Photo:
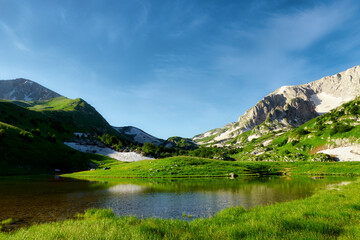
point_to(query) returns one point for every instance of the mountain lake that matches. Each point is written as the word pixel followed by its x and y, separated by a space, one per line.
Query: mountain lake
pixel 44 199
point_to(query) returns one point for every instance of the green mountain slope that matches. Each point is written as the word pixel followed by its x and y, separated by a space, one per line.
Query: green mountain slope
pixel 340 127
pixel 32 135
pixel 71 115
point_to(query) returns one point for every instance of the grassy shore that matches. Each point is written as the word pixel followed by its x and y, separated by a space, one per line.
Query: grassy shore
pixel 178 167
pixel 329 214
pixel 333 213
pixel 181 167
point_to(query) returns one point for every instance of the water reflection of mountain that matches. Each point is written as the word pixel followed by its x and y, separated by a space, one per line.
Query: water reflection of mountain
pixel 41 200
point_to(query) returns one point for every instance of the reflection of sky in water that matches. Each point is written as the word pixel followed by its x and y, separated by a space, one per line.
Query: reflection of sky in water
pixel 134 200
pixel 49 200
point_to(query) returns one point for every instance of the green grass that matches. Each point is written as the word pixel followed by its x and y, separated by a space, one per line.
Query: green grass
pixel 32 135
pixel 300 144
pixel 179 167
pixel 36 155
pixel 187 167
pixel 5 223
pixel 329 214
pixel 60 116
pixel 323 168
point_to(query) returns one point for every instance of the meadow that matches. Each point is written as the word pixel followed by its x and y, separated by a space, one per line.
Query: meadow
pixel 189 167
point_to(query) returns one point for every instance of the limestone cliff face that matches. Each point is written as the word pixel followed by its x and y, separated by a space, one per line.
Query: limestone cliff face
pixel 291 106
pixel 26 90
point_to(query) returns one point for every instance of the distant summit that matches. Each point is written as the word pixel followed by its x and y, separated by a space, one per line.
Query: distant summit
pixel 25 90
pixel 290 106
pixel 139 136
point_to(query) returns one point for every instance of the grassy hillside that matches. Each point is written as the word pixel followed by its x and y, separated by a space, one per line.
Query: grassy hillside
pixel 339 127
pixel 63 115
pixel 182 143
pixel 32 135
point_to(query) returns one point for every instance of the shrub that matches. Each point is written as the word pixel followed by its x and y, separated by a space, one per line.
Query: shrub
pixel 340 128
pixel 51 137
pixel 322 157
pixel 35 132
pixel 283 142
pixel 302 132
pixel 26 135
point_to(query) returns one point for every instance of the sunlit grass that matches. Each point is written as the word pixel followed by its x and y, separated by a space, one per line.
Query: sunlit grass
pixel 180 167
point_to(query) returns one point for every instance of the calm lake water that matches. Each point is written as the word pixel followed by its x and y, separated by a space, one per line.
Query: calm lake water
pixel 43 199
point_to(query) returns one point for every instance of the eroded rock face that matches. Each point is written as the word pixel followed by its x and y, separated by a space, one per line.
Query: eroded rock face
pixel 25 90
pixel 292 106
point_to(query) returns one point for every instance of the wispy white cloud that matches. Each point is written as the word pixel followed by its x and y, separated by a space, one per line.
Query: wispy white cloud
pixel 297 31
pixel 274 49
pixel 13 38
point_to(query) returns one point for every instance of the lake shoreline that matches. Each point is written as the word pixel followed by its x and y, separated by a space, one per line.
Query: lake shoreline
pixel 304 218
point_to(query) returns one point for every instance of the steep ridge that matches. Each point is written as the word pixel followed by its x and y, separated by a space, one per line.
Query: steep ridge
pixel 333 136
pixel 138 135
pixel 25 90
pixel 31 140
pixel 290 106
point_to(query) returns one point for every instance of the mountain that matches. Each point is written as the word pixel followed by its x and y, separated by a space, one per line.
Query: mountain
pixel 330 137
pixel 32 135
pixel 138 135
pixel 289 107
pixel 26 90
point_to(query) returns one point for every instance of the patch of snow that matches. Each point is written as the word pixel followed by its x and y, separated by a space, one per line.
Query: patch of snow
pixel 259 153
pixel 222 136
pixel 27 98
pixel 120 156
pixel 267 142
pixel 140 136
pixel 226 134
pixel 348 153
pixel 251 137
pixel 12 93
pixel 325 102
pixel 79 134
pixel 207 134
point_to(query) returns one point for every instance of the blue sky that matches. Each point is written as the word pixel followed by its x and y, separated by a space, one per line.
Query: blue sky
pixel 176 68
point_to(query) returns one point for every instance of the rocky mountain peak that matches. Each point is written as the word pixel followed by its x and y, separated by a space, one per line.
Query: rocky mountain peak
pixel 25 90
pixel 291 106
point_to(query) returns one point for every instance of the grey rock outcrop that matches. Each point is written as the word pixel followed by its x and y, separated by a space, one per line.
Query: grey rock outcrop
pixel 25 90
pixel 139 136
pixel 292 106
